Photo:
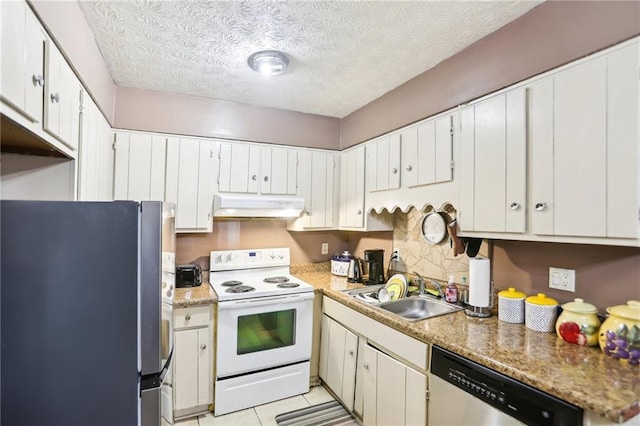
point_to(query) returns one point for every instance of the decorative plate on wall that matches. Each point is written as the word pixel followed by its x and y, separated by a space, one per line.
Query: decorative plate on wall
pixel 434 227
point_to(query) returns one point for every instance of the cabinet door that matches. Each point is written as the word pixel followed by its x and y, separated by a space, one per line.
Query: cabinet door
pixel 409 149
pixel 189 176
pixel 383 163
pixel 185 381
pixel 579 150
pixel 95 160
pixel 335 357
pixel 140 167
pixel 352 188
pixel 22 67
pixel 493 189
pixel 205 365
pixel 239 165
pixel 394 394
pixel 347 395
pixel 623 143
pixel 278 170
pixel 434 151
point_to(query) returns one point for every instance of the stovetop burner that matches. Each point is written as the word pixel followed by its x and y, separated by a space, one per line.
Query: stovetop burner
pixel 288 285
pixel 276 280
pixel 231 283
pixel 240 289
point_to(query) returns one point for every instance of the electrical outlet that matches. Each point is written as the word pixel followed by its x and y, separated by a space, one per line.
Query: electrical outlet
pixel 325 248
pixel 395 254
pixel 562 279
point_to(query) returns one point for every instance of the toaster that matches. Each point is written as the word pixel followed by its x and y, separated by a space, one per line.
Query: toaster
pixel 188 276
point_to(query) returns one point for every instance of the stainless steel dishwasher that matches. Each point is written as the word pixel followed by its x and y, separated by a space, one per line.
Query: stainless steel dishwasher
pixel 462 392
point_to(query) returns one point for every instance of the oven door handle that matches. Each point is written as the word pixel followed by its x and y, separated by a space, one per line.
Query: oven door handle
pixel 263 301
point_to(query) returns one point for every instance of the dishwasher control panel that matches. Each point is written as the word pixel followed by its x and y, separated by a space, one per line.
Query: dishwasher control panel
pixel 516 399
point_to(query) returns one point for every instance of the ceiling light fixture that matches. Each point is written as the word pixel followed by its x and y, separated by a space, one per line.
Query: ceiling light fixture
pixel 269 62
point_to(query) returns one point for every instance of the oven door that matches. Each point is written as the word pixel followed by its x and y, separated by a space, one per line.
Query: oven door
pixel 261 333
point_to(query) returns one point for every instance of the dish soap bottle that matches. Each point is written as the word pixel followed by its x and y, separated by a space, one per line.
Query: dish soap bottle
pixel 451 293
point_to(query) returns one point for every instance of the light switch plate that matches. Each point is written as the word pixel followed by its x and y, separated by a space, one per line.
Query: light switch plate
pixel 562 279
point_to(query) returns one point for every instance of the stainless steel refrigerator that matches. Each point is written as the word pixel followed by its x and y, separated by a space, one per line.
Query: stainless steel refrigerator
pixel 86 335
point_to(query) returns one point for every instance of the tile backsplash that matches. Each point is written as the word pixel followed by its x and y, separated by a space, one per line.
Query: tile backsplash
pixel 429 260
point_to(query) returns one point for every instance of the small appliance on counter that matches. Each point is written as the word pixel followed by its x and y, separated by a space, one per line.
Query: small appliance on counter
pixel 375 259
pixel 188 276
pixel 340 263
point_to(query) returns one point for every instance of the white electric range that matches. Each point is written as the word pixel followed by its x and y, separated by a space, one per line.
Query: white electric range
pixel 264 326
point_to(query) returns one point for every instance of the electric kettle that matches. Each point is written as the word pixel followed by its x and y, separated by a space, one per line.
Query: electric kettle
pixel 354 273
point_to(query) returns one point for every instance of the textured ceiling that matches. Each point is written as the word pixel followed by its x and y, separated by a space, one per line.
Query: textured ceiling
pixel 344 54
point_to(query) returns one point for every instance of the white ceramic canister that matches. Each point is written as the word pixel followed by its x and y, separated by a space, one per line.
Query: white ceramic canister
pixel 340 263
pixel 540 313
pixel 511 306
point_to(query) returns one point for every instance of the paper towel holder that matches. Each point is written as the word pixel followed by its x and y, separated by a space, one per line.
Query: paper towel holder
pixel 481 311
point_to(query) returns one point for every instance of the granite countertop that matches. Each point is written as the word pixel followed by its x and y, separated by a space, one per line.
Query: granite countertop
pixel 191 296
pixel 583 376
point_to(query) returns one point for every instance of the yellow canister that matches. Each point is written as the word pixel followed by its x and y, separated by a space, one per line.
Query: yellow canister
pixel 578 323
pixel 540 313
pixel 619 335
pixel 511 306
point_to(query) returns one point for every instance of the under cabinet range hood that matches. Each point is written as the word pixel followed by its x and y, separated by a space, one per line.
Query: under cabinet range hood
pixel 245 205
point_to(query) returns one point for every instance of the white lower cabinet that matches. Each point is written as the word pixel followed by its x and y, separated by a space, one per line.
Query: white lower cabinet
pixel 394 393
pixel 338 355
pixel 380 385
pixel 192 361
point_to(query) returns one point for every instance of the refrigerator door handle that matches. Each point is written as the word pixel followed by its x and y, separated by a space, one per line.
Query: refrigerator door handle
pixel 155 380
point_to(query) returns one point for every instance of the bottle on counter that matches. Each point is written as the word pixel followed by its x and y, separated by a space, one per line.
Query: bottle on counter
pixel 451 292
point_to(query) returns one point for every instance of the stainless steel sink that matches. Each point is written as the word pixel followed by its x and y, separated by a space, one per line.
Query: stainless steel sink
pixel 418 308
pixel 412 308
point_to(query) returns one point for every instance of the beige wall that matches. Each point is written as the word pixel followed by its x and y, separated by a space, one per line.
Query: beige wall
pixel 605 275
pixel 551 34
pixel 164 112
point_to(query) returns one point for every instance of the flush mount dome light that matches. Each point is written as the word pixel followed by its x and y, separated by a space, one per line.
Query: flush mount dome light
pixel 269 62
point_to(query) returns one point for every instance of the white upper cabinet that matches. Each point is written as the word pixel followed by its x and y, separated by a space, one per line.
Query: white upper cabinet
pixel 278 169
pixel 352 188
pixel 189 182
pixel 583 133
pixel 383 163
pixel 493 164
pixel 239 167
pixel 22 65
pixel 140 160
pixel 96 155
pixel 63 92
pixel 318 175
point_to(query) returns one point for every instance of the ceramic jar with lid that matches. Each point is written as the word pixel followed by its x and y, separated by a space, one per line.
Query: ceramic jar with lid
pixel 578 323
pixel 340 263
pixel 511 306
pixel 619 335
pixel 541 313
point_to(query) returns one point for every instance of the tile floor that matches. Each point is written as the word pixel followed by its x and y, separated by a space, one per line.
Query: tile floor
pixel 262 415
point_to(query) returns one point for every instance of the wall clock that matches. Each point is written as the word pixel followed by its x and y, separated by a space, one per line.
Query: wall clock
pixel 434 227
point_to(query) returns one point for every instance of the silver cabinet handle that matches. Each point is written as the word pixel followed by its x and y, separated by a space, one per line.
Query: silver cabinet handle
pixel 38 80
pixel 366 366
pixel 266 178
pixel 359 212
pixel 541 206
pixel 203 346
pixel 394 170
pixel 351 352
pixel 254 177
pixel 409 168
pixel 55 98
pixel 187 317
pixel 514 206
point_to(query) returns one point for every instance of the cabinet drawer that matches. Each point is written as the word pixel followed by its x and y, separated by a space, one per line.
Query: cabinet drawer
pixel 196 316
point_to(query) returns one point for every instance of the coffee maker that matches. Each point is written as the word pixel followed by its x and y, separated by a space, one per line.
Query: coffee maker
pixel 375 259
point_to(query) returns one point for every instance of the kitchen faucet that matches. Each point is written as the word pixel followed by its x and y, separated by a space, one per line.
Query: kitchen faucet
pixel 420 281
pixel 437 286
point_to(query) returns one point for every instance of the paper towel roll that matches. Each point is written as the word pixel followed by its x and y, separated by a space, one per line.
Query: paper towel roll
pixel 479 282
